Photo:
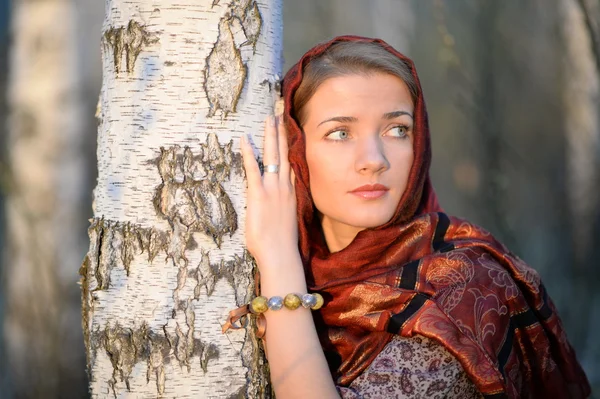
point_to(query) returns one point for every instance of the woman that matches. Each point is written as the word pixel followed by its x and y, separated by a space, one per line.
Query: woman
pixel 417 303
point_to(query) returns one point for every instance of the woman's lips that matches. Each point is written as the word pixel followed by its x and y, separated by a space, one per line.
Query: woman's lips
pixel 369 194
pixel 370 191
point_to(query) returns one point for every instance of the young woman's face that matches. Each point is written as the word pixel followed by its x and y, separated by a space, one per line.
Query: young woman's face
pixel 359 148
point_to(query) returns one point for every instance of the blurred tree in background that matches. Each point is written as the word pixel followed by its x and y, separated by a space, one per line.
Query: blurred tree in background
pixel 46 203
pixel 514 103
pixel 4 20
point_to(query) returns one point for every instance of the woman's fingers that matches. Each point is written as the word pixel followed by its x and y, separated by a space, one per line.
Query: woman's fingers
pixel 275 153
pixel 284 163
pixel 250 164
pixel 271 151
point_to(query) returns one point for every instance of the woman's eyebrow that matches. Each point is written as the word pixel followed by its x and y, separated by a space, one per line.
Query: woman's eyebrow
pixel 341 119
pixel 349 119
pixel 395 114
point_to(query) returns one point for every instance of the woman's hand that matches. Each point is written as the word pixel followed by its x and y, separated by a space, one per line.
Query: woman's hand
pixel 272 238
pixel 271 227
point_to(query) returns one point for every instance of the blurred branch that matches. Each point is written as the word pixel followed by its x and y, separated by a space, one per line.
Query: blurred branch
pixel 467 102
pixel 591 15
pixel 481 103
pixel 450 55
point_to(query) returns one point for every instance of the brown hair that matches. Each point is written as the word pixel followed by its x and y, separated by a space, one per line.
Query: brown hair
pixel 345 58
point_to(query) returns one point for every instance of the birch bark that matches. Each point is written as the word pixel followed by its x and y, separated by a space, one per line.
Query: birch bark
pixel 43 202
pixel 183 80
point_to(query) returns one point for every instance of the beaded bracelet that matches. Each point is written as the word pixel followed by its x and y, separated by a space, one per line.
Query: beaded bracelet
pixel 261 304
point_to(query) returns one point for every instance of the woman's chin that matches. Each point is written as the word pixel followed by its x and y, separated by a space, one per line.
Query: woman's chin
pixel 368 221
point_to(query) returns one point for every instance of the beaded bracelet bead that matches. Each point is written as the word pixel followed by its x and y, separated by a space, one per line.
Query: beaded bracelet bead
pixel 261 304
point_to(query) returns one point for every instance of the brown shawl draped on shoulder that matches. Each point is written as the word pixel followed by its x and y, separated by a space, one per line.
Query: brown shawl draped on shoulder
pixel 426 273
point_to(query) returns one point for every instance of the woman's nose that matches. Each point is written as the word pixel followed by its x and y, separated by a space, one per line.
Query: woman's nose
pixel 370 155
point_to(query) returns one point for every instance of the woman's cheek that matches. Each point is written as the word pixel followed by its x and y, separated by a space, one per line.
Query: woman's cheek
pixel 320 184
pixel 325 185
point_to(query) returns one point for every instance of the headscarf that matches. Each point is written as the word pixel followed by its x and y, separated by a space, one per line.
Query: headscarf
pixel 427 273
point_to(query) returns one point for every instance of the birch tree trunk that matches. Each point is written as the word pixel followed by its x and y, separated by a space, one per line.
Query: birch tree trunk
pixel 43 205
pixel 183 80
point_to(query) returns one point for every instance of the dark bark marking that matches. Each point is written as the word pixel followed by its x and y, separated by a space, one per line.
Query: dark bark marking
pixel 258 380
pixel 153 241
pixel 249 16
pixel 85 308
pixel 131 41
pixel 116 244
pixel 206 276
pixel 113 37
pixel 191 196
pixel 225 72
pixel 183 341
pixel 126 347
pixel 131 244
pixel 158 356
pixel 207 353
pixel 240 394
pixel 105 263
pixel 238 272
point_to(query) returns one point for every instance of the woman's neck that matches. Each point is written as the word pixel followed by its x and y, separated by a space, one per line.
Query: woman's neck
pixel 337 235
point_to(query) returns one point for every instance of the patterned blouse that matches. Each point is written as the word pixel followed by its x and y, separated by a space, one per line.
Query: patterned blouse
pixel 411 368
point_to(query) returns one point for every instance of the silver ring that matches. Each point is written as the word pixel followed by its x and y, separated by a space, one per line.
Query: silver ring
pixel 271 168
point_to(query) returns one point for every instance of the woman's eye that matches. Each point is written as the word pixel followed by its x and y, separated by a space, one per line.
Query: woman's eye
pixel 399 131
pixel 338 135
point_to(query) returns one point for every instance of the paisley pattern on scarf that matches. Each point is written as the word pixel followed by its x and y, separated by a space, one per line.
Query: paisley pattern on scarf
pixel 499 276
pixel 427 274
pixel 412 368
pixel 450 276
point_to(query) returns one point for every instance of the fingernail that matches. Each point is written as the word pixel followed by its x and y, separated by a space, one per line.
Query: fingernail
pixel 272 120
pixel 246 138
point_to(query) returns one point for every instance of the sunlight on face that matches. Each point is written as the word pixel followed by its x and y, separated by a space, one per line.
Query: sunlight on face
pixel 359 133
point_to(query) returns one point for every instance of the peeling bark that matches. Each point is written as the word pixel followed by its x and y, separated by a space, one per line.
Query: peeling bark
pixel 166 260
pixel 129 41
pixel 126 347
pixel 248 14
pixel 226 70
pixel 191 195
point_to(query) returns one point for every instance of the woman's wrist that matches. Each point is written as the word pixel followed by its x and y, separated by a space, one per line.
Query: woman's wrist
pixel 281 273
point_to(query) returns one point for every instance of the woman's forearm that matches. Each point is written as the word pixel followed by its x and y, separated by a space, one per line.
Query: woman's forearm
pixel 296 359
pixel 297 363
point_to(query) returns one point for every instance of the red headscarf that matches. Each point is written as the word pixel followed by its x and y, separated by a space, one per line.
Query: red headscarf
pixel 426 273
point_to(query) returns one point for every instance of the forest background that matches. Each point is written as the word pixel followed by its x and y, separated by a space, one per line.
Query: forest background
pixel 513 96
